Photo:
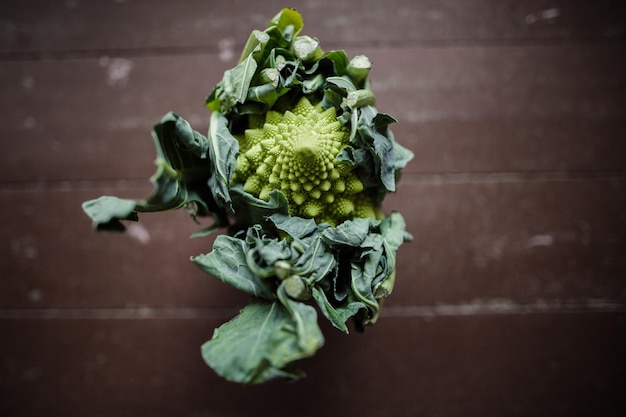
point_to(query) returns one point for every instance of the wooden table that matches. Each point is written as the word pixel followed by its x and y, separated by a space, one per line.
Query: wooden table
pixel 511 300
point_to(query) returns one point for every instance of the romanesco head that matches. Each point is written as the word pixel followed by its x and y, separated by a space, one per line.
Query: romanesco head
pixel 296 153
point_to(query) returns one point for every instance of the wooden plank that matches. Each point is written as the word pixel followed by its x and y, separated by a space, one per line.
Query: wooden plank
pixel 523 365
pixel 55 259
pixel 506 109
pixel 86 119
pixel 460 109
pixel 47 27
pixel 511 240
pixel 508 240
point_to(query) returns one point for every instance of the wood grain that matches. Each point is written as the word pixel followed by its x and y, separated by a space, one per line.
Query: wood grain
pixel 564 364
pixel 510 239
pixel 73 27
pixel 460 109
pixel 509 301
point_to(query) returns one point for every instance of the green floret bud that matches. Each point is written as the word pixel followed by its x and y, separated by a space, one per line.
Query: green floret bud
pixel 296 152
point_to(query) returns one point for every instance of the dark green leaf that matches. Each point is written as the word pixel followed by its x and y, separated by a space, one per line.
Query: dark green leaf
pixel 264 93
pixel 401 155
pixel 106 212
pixel 223 150
pixel 256 44
pixel 317 262
pixel 250 210
pixel 328 310
pixel 295 227
pixel 349 233
pixel 227 262
pixel 233 88
pixel 264 252
pixel 289 21
pixel 181 177
pixel 393 229
pixel 305 319
pixel 262 343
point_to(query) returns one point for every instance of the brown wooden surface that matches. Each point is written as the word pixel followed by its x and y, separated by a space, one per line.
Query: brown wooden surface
pixel 511 300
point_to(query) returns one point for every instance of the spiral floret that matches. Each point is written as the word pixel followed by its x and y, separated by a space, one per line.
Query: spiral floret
pixel 296 153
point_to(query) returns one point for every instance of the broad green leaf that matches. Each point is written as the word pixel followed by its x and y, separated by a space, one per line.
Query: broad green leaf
pixel 288 20
pixel 379 145
pixel 311 85
pixel 295 227
pixel 263 252
pixel 384 288
pixel 317 262
pixel 227 262
pixel 180 179
pixel 402 155
pixel 223 150
pixel 393 229
pixel 305 318
pixel 260 344
pixel 328 310
pixel 363 275
pixel 332 63
pixel 255 44
pixel 264 93
pixel 106 212
pixel 233 88
pixel 349 233
pixel 251 210
pixel 340 313
pixel 343 83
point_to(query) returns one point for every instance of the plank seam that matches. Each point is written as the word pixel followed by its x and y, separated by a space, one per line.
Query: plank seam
pixel 474 308
pixel 77 54
pixel 441 177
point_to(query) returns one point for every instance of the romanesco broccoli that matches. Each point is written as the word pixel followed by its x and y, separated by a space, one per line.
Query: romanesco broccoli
pixel 296 153
pixel 295 167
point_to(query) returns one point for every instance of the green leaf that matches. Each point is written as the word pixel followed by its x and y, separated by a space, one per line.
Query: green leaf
pixel 182 177
pixel 328 310
pixel 251 210
pixel 349 233
pixel 263 342
pixel 317 262
pixel 223 150
pixel 264 93
pixel 227 262
pixel 340 313
pixel 393 229
pixel 233 88
pixel 288 20
pixel 310 337
pixel 295 227
pixel 363 274
pixel 332 63
pixel 106 212
pixel 256 44
pixel 379 145
pixel 263 252
pixel 402 156
pixel 344 83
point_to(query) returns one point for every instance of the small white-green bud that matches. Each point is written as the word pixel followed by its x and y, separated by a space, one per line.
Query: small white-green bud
pixel 270 76
pixel 306 48
pixel 358 68
pixel 359 98
pixel 296 288
pixel 282 269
